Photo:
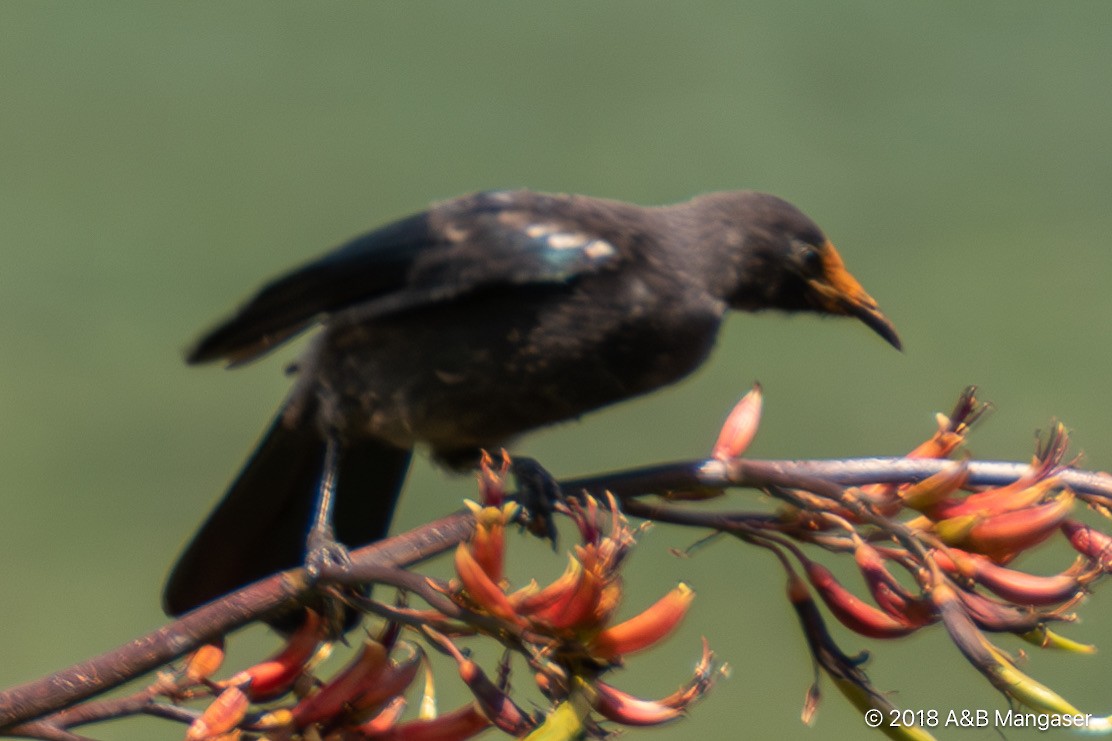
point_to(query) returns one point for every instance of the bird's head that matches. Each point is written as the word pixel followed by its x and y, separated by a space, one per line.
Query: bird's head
pixel 784 261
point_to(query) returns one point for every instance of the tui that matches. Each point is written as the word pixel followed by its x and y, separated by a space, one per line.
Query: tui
pixel 482 318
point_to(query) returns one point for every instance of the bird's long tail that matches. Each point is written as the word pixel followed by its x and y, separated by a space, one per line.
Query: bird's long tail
pixel 261 524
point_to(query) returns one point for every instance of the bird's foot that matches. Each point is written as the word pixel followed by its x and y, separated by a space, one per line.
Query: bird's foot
pixel 538 492
pixel 324 553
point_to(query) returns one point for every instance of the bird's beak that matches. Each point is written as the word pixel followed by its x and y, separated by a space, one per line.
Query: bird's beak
pixel 838 292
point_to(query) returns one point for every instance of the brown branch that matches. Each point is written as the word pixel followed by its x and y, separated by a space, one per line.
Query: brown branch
pixel 99 711
pixel 43 730
pixel 381 562
pixel 205 624
pixel 714 474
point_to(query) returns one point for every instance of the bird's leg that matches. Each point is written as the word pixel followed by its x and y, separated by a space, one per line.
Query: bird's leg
pixel 321 547
pixel 538 491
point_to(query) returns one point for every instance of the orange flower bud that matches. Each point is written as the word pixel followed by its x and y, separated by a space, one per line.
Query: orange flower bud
pixel 1002 536
pixel 608 602
pixel 940 445
pixel 221 716
pixel 494 702
pixel 276 676
pixel 204 662
pixel 385 721
pixel 487 544
pixel 934 489
pixel 391 681
pixel 1089 542
pixel 740 427
pixel 486 594
pixel 995 501
pixel 889 594
pixel 492 484
pixel 952 429
pixel 529 600
pixel 460 724
pixel 887 499
pixel 576 606
pixel 622 707
pixel 344 689
pixel 646 628
pixel 852 611
pixel 1015 586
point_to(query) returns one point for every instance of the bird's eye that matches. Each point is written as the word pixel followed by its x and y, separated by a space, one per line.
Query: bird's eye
pixel 810 260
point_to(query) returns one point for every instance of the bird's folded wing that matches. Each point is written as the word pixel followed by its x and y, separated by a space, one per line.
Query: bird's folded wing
pixel 413 263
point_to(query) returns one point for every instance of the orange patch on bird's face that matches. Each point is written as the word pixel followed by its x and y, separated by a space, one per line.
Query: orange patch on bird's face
pixel 837 288
pixel 835 291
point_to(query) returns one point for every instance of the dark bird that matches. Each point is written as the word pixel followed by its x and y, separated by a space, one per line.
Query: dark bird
pixel 485 317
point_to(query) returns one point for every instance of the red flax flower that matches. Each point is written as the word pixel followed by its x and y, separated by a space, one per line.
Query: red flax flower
pixel 943 552
pixel 567 626
pixel 365 690
pixel 957 545
pixel 565 630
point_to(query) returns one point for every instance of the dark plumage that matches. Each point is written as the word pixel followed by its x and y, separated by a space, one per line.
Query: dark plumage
pixel 482 318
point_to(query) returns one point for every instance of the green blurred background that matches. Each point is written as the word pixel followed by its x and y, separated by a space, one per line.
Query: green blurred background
pixel 157 162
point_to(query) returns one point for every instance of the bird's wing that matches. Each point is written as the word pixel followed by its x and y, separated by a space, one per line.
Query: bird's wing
pixel 419 261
